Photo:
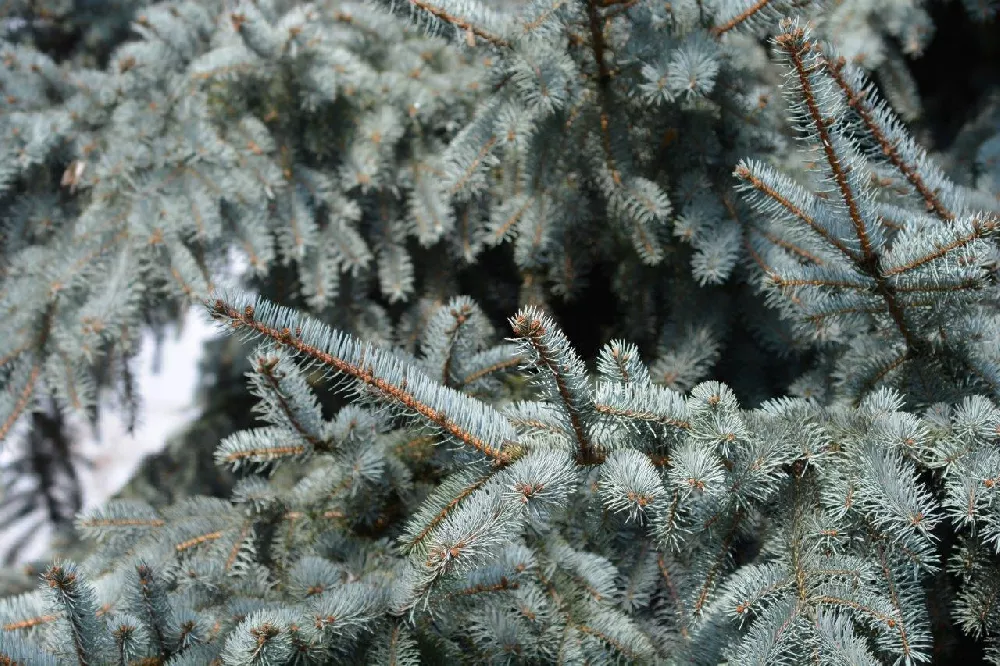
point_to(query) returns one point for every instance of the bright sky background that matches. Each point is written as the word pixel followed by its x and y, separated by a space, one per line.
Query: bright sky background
pixel 168 404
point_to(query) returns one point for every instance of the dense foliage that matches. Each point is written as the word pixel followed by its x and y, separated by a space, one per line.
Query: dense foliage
pixel 435 472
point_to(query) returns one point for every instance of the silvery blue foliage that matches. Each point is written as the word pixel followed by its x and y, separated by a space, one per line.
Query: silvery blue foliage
pixel 480 494
pixel 599 516
pixel 216 130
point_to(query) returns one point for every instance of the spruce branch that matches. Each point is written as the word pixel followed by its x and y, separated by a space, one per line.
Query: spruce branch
pixel 455 330
pixel 119 518
pixel 797 47
pixel 649 404
pixel 469 19
pixel 465 26
pixel 473 423
pixel 23 399
pixel 73 599
pixel 490 362
pixel 266 369
pixel 442 503
pixel 561 376
pixel 29 621
pixel 893 141
pixel 911 272
pixel 150 603
pixel 798 204
pixel 620 361
pixel 15 651
pixel 750 14
pixel 26 375
pixel 596 25
pixel 744 16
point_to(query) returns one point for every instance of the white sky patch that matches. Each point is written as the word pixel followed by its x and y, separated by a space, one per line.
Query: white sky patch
pixel 167 406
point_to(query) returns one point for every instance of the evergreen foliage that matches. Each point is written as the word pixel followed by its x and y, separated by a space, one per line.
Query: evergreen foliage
pixel 125 191
pixel 883 36
pixel 416 487
pixel 603 518
pixel 863 265
pixel 84 31
pixel 169 167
